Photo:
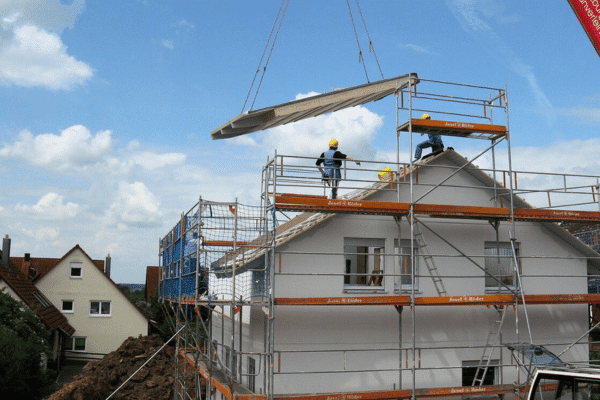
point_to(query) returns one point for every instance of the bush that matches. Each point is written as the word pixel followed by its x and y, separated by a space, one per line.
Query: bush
pixel 23 340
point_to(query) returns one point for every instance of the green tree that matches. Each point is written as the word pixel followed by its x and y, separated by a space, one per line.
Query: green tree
pixel 23 341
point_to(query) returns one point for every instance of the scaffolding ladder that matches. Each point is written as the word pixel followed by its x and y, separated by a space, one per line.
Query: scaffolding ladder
pixel 488 351
pixel 428 258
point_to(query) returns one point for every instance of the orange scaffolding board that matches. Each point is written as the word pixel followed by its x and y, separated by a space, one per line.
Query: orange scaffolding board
pixel 466 300
pixel 231 392
pixel 454 128
pixel 407 393
pixel 292 202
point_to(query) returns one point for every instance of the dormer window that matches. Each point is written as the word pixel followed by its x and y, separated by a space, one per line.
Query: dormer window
pixel 76 270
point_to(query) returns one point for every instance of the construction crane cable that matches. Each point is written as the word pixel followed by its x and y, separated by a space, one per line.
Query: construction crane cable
pixel 287 2
pixel 371 47
pixel 360 57
pixel 264 52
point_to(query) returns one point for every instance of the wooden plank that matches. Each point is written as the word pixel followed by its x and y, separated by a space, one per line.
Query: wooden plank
pixel 407 393
pixel 455 128
pixel 536 214
pixel 297 203
pixel 292 202
pixel 466 300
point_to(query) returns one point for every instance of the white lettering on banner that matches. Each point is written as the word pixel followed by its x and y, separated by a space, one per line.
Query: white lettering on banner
pixel 459 125
pixel 590 11
pixel 461 299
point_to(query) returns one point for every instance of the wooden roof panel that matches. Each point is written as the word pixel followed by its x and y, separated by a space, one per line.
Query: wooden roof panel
pixel 297 110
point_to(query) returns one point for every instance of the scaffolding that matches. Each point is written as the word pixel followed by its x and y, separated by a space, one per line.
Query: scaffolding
pixel 225 264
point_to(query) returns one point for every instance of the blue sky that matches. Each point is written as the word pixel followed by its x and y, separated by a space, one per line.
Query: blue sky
pixel 107 106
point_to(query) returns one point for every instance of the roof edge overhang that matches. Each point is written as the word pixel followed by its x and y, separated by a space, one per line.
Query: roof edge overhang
pixel 293 111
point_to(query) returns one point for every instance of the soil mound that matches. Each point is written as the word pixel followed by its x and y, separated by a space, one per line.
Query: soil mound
pixel 100 378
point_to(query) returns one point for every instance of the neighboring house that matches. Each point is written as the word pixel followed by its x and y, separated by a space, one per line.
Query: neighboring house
pixel 363 261
pixel 20 288
pixel 103 317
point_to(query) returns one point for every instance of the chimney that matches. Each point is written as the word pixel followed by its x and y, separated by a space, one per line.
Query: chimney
pixel 6 251
pixel 107 265
pixel 27 266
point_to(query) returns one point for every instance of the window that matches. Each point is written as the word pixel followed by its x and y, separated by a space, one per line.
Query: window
pixel 67 306
pixel 499 262
pixel 251 374
pixel 227 357
pixel 364 262
pixel 100 308
pixel 403 266
pixel 470 368
pixel 76 268
pixel 76 344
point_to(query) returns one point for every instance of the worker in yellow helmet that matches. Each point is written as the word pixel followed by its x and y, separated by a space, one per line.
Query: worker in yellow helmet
pixel 385 174
pixel 434 141
pixel 332 161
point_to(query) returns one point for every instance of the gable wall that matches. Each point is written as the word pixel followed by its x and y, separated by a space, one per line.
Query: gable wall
pixel 320 251
pixel 104 334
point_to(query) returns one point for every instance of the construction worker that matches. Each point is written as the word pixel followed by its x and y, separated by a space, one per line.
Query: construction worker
pixel 434 141
pixel 332 161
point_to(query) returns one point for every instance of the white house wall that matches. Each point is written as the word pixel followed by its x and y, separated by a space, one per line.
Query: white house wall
pixel 103 333
pixel 321 349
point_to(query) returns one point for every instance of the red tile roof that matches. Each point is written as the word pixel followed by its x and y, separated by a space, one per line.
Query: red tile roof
pixel 41 266
pixel 47 312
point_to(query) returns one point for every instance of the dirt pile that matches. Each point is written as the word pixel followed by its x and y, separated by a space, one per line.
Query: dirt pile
pixel 100 378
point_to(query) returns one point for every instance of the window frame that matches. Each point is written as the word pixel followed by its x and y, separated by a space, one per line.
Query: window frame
pixel 471 366
pixel 369 256
pixel 76 266
pixel 72 340
pixel 65 311
pixel 251 374
pixel 490 284
pixel 100 314
pixel 399 246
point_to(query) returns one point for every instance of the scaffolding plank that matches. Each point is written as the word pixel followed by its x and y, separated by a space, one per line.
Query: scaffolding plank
pixel 234 391
pixel 407 393
pixel 455 128
pixel 536 214
pixel 292 202
pixel 466 300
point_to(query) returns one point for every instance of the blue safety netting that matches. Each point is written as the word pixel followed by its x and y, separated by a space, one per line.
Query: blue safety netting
pixel 216 250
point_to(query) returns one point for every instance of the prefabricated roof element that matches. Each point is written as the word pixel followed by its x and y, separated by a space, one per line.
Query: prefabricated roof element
pixel 297 110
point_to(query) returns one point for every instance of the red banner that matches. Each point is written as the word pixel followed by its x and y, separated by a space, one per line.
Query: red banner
pixel 588 13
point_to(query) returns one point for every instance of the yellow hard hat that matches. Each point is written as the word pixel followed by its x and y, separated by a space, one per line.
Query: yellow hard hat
pixel 425 116
pixel 333 143
pixel 386 173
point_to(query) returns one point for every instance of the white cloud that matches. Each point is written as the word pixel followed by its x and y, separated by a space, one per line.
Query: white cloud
pixel 416 48
pixel 151 161
pixel 31 51
pixel 73 150
pixel 51 207
pixel 134 204
pixel 42 234
pixel 168 44
pixel 583 114
pixel 38 58
pixel 185 25
pixel 353 127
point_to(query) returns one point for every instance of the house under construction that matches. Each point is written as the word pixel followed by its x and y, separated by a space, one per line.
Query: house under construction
pixel 424 279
